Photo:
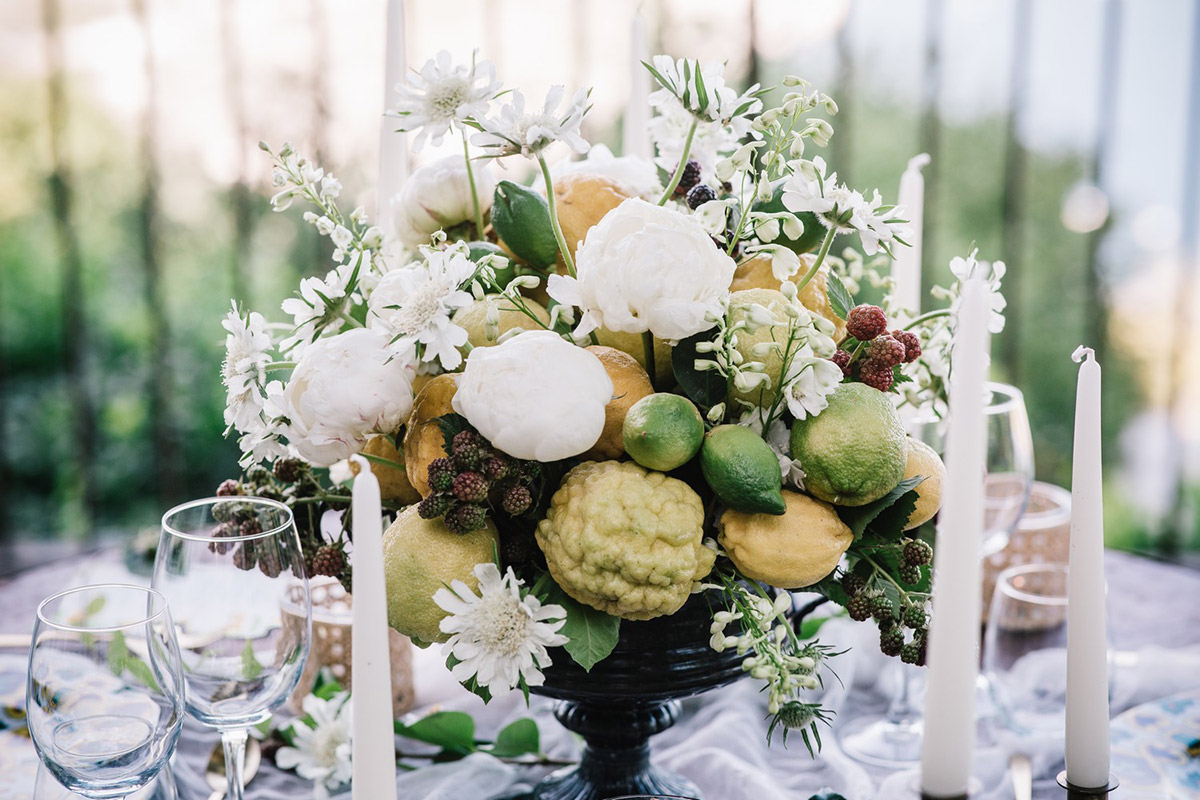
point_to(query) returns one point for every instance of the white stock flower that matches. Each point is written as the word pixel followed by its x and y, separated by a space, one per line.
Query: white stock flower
pixel 633 175
pixel 809 382
pixel 413 305
pixel 244 368
pixel 840 208
pixel 321 753
pixel 535 396
pixel 993 273
pixel 498 637
pixel 438 196
pixel 344 388
pixel 442 95
pixel 515 130
pixel 779 439
pixel 647 268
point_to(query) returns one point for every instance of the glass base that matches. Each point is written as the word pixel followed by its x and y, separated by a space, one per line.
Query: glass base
pixel 882 742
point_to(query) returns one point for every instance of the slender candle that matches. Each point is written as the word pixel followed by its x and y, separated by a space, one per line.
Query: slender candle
pixel 393 146
pixel 374 745
pixel 953 646
pixel 907 267
pixel 635 138
pixel 1087 653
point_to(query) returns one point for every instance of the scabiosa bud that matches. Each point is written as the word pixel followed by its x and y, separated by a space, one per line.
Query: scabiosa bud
pixel 690 177
pixel 700 194
pixel 441 474
pixel 842 359
pixel 866 322
pixel 288 470
pixel 433 506
pixel 876 376
pixel 229 488
pixel 911 342
pixel 886 351
pixel 328 560
pixel 517 500
pixel 470 487
pixel 465 517
pixel 495 468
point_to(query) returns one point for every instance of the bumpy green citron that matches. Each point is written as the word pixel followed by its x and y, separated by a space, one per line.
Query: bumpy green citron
pixel 790 551
pixel 473 319
pixel 663 431
pixel 624 540
pixel 924 460
pixel 853 452
pixel 419 557
pixel 773 301
pixel 742 469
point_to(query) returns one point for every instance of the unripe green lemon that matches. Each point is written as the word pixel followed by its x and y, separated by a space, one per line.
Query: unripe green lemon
pixel 740 304
pixel 473 318
pixel 662 431
pixel 742 469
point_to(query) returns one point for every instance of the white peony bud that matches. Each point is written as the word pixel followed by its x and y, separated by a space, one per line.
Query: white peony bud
pixel 438 196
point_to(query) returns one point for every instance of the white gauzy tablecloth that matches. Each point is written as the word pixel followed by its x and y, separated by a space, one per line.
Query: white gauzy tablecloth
pixel 719 740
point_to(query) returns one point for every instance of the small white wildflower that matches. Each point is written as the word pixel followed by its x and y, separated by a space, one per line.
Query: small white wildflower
pixel 514 130
pixel 321 753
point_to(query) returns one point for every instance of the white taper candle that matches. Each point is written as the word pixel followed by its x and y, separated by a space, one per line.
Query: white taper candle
pixel 393 146
pixel 1087 746
pixel 907 267
pixel 374 745
pixel 953 647
pixel 635 136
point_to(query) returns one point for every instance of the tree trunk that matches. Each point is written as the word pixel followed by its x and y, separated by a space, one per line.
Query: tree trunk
pixel 239 196
pixel 1016 166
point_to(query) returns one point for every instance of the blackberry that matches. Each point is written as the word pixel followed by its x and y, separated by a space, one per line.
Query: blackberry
pixel 433 506
pixel 853 584
pixel 243 557
pixel 495 468
pixel 530 470
pixel 516 500
pixel 891 642
pixel 288 470
pixel 917 552
pixel 228 488
pixel 876 376
pixel 842 359
pixel 465 517
pixel 515 549
pixel 700 194
pixel 689 178
pixel 223 512
pixel 441 474
pixel 272 493
pixel 470 487
pixel 223 531
pixel 269 563
pixel 258 475
pixel 865 322
pixel 914 617
pixel 882 608
pixel 859 608
pixel 466 449
pixel 910 574
pixel 886 351
pixel 328 560
pixel 250 527
pixel 910 653
pixel 912 345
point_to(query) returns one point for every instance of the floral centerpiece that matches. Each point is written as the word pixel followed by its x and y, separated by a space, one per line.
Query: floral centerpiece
pixel 588 399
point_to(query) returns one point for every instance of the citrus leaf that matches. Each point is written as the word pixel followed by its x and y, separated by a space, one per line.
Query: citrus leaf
pixel 858 518
pixel 593 634
pixel 839 299
pixel 521 219
pixel 518 738
pixel 705 388
pixel 450 730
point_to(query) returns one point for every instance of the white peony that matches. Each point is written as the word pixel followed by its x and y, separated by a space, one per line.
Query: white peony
pixel 438 196
pixel 535 396
pixel 647 268
pixel 344 388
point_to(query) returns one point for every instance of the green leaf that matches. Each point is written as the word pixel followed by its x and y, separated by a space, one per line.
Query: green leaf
pixel 890 523
pixel 471 684
pixel 593 634
pixel 858 518
pixel 521 219
pixel 839 299
pixel 705 388
pixel 450 425
pixel 517 739
pixel 701 92
pixel 326 686
pixel 450 730
pixel 251 668
pixel 827 794
pixel 658 77
pixel 810 626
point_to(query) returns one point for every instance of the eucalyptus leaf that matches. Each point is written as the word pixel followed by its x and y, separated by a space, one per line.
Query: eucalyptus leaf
pixel 593 634
pixel 451 730
pixel 705 388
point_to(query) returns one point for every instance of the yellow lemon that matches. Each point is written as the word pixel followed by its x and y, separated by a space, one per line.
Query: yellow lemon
pixel 790 551
pixel 924 460
pixel 423 439
pixel 393 481
pixel 630 384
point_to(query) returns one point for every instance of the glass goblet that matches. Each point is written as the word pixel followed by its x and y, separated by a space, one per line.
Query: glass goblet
pixel 227 564
pixel 105 688
pixel 1009 469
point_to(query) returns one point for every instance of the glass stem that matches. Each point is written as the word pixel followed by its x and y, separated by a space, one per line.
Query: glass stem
pixel 235 762
pixel 901 711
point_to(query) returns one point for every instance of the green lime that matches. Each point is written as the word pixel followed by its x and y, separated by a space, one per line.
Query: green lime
pixel 854 452
pixel 662 431
pixel 743 470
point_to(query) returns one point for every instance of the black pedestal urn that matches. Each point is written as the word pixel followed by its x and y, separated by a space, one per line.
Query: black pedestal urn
pixel 630 696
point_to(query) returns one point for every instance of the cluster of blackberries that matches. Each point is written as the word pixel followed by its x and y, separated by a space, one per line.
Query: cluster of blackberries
pixel 473 479
pixel 893 617
pixel 881 351
pixel 236 521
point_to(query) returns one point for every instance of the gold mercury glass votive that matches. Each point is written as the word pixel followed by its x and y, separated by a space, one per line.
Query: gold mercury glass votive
pixel 331 623
pixel 1042 536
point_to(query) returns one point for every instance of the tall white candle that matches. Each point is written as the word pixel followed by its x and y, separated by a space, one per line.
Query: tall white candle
pixel 635 138
pixel 907 267
pixel 374 746
pixel 1087 653
pixel 393 146
pixel 953 646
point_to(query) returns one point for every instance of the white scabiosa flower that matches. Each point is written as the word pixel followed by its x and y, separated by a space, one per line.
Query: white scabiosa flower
pixel 442 95
pixel 345 388
pixel 413 306
pixel 321 753
pixel 498 637
pixel 244 369
pixel 438 196
pixel 514 130
pixel 535 396
pixel 317 309
pixel 701 90
pixel 647 268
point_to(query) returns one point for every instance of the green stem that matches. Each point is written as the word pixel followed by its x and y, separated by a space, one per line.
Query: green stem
pixel 386 462
pixel 928 315
pixel 648 349
pixel 820 259
pixel 353 322
pixel 276 365
pixel 474 192
pixel 323 498
pixel 683 158
pixel 551 206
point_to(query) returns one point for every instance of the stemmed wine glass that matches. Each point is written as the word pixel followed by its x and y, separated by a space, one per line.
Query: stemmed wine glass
pixel 894 739
pixel 226 564
pixel 105 688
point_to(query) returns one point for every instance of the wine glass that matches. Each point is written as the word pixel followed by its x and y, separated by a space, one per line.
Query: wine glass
pixel 226 564
pixel 105 688
pixel 894 739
